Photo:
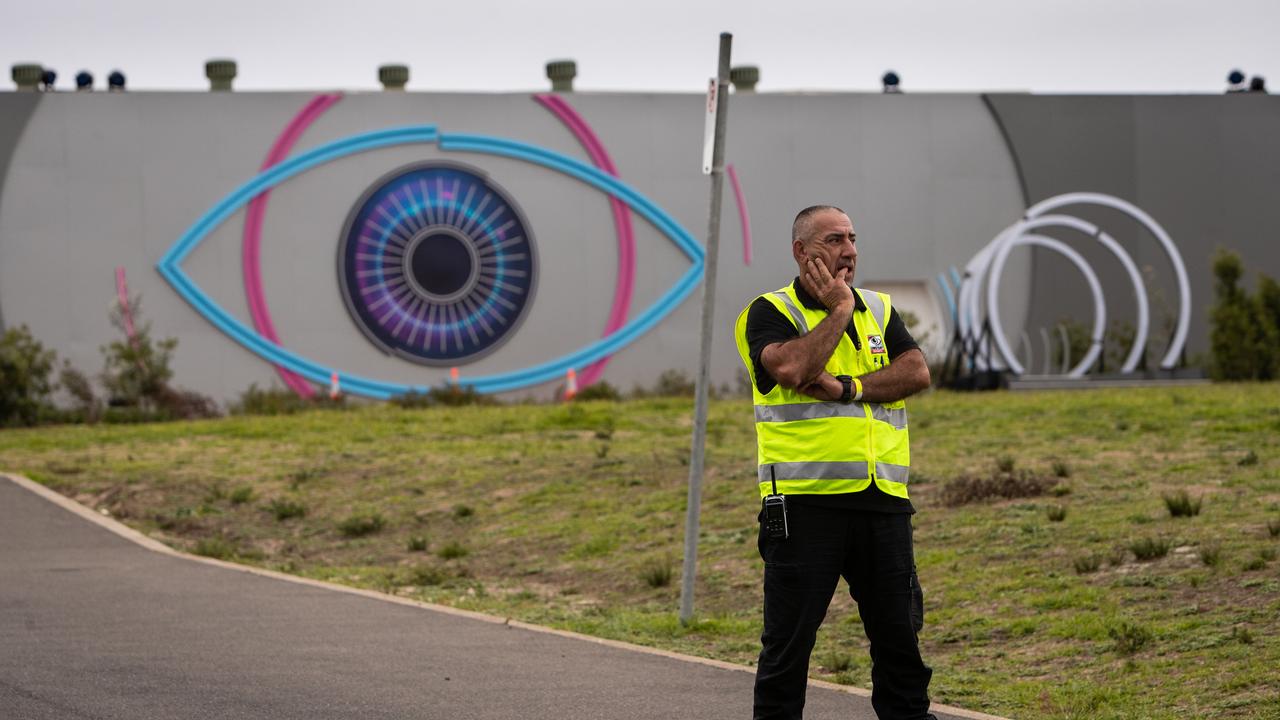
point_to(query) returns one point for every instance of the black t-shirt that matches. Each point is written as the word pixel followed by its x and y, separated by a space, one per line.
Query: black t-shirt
pixel 767 325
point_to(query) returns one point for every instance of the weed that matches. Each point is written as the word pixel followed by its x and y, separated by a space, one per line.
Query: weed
pixel 215 547
pixel 1005 463
pixel 1256 563
pixel 1267 554
pixel 1211 554
pixel 452 550
pixel 602 450
pixel 1149 548
pixel 1116 557
pixel 1056 513
pixel 1250 458
pixel 241 495
pixel 1122 425
pixel 1061 469
pixel 1061 490
pixel 361 524
pixel 417 543
pixel 297 477
pixel 967 489
pixel 673 383
pixel 425 575
pixel 1242 635
pixel 1180 504
pixel 284 509
pixel 838 662
pixel 605 431
pixel 1129 637
pixel 657 573
pixel 1273 528
pixel 463 511
pixel 1087 563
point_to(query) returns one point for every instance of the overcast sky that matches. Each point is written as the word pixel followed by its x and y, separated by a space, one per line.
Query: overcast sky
pixel 1046 46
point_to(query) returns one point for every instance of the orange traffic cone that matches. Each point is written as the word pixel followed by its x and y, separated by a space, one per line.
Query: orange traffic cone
pixel 335 388
pixel 571 385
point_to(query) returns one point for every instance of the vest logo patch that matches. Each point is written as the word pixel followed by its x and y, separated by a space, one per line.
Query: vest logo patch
pixel 875 344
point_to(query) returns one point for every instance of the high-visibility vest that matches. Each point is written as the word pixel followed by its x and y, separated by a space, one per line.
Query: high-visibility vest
pixel 817 447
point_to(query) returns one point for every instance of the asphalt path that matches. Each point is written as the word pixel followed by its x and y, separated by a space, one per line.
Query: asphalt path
pixel 94 625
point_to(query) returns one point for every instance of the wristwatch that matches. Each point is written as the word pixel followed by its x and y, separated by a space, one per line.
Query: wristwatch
pixel 847 381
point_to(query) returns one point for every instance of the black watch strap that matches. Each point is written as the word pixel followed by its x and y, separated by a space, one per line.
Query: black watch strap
pixel 847 381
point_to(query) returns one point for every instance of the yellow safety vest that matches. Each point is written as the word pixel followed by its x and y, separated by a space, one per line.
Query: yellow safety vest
pixel 825 448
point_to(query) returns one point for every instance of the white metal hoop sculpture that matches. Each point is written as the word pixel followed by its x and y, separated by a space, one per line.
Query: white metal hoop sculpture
pixel 973 319
pixel 1095 287
pixel 1009 241
pixel 1179 339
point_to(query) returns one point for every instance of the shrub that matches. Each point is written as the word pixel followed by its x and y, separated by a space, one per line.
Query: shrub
pixel 456 396
pixel 1180 504
pixel 85 401
pixel 672 383
pixel 452 550
pixel 241 495
pixel 967 489
pixel 657 573
pixel 1149 548
pixel 136 372
pixel 412 400
pixel 463 511
pixel 1250 458
pixel 1005 463
pixel 1061 469
pixel 1088 563
pixel 1245 335
pixel 417 543
pixel 1129 637
pixel 361 524
pixel 1056 513
pixel 284 509
pixel 1273 528
pixel 601 390
pixel 24 377
pixel 273 401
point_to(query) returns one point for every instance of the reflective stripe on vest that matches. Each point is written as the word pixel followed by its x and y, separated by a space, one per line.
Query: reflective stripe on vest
pixel 897 417
pixel 831 471
pixel 797 317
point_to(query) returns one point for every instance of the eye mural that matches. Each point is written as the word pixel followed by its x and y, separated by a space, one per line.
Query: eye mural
pixel 437 264
pixel 463 269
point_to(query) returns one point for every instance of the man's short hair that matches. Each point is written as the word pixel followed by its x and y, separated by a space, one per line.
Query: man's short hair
pixel 802 226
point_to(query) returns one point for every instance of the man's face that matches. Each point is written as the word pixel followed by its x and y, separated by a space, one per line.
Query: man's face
pixel 831 241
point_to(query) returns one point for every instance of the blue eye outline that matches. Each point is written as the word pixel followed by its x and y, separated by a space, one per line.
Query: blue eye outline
pixel 170 268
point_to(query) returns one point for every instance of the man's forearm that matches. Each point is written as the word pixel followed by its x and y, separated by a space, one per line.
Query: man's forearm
pixel 907 375
pixel 800 361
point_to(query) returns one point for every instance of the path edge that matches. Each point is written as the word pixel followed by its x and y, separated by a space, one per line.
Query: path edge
pixel 118 528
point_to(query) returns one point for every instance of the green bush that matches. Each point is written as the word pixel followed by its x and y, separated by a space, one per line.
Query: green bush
pixel 601 390
pixel 657 573
pixel 136 373
pixel 1245 335
pixel 1087 564
pixel 273 401
pixel 1056 513
pixel 25 367
pixel 417 543
pixel 453 549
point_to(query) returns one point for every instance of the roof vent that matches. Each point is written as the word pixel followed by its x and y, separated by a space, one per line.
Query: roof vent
pixel 393 77
pixel 561 74
pixel 220 73
pixel 28 76
pixel 744 78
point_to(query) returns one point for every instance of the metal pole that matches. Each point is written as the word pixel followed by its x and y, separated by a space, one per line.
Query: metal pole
pixel 693 511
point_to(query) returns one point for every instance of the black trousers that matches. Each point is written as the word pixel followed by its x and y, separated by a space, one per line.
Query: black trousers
pixel 873 552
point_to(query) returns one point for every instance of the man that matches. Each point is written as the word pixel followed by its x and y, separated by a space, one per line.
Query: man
pixel 831 367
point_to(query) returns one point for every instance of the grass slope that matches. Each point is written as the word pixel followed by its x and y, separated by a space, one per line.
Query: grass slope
pixel 572 516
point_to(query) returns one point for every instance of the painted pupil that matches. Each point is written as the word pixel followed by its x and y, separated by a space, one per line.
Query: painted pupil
pixel 436 264
pixel 441 264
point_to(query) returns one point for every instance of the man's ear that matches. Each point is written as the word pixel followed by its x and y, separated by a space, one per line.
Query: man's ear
pixel 797 251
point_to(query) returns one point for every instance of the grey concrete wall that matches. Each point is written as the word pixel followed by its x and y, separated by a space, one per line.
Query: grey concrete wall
pixel 103 180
